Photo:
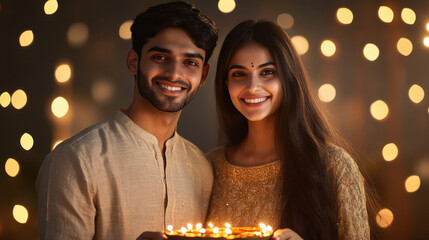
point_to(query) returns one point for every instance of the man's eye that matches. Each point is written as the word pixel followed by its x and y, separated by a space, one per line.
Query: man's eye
pixel 191 62
pixel 159 58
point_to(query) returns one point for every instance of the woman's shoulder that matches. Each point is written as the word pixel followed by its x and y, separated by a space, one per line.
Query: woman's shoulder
pixel 341 165
pixel 216 153
pixel 339 160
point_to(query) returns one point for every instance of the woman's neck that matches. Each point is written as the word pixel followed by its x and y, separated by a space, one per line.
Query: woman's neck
pixel 259 146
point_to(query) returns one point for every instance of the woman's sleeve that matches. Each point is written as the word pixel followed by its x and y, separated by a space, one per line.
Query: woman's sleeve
pixel 353 215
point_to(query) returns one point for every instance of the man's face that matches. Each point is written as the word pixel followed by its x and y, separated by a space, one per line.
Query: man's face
pixel 171 69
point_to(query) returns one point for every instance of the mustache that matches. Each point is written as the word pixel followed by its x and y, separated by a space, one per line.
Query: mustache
pixel 163 78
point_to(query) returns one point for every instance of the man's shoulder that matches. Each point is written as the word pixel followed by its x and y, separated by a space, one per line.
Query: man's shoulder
pixel 91 138
pixel 188 145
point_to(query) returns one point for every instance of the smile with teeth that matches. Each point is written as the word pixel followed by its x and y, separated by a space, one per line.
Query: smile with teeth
pixel 169 88
pixel 255 100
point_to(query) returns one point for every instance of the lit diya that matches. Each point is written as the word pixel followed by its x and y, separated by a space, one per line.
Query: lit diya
pixel 262 232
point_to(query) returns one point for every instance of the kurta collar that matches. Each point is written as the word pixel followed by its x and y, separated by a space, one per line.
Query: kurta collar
pixel 140 132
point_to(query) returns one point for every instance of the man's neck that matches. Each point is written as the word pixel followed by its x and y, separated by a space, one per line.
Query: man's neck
pixel 160 124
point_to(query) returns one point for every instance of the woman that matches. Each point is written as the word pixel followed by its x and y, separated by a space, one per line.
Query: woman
pixel 282 165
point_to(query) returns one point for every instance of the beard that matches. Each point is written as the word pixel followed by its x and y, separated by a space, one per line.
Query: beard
pixel 163 103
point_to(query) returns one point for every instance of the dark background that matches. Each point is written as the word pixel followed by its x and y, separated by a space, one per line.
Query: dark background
pixel 358 82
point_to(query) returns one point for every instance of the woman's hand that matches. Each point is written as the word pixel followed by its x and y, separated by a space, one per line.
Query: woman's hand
pixel 286 234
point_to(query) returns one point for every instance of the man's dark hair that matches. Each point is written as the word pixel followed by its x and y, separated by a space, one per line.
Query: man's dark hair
pixel 184 15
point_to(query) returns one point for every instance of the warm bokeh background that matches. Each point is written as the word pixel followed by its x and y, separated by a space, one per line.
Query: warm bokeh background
pixel 377 99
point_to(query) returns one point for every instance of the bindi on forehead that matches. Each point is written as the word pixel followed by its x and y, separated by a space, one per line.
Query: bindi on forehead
pixel 251 64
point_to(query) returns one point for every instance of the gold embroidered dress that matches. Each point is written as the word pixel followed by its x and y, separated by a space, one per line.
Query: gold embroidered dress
pixel 246 196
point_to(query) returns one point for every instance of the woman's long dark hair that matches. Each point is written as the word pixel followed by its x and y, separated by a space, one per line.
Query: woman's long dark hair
pixel 309 194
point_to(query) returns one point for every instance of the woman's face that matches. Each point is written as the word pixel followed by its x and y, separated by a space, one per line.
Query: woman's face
pixel 253 83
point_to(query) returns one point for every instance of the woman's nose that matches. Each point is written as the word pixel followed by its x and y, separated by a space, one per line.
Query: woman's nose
pixel 253 83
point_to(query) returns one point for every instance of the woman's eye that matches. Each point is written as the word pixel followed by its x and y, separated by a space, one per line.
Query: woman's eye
pixel 268 72
pixel 238 74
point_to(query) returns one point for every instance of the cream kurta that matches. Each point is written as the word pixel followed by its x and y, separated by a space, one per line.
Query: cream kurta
pixel 108 182
pixel 246 196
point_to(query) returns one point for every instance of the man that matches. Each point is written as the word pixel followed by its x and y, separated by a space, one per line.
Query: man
pixel 134 173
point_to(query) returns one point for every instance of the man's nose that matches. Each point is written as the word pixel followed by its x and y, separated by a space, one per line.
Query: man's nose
pixel 174 70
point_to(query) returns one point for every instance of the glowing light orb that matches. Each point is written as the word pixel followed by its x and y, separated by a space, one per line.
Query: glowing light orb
pixel 27 141
pixel 11 167
pixel 379 110
pixel 20 214
pixel 63 73
pixel 19 99
pixel 125 31
pixel 301 44
pixel 60 107
pixel 371 52
pixel 77 34
pixel 412 184
pixel 285 20
pixel 51 6
pixel 26 38
pixel 328 48
pixel 327 93
pixel 385 14
pixel 226 6
pixel 384 218
pixel 408 16
pixel 404 46
pixel 344 16
pixel 5 99
pixel 416 93
pixel 390 152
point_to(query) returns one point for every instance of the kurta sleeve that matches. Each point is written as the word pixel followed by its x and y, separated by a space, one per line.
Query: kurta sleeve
pixel 353 216
pixel 65 197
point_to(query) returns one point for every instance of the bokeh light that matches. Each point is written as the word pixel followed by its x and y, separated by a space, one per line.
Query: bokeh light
pixel 77 34
pixel 102 91
pixel 408 16
pixel 328 48
pixel 404 46
pixel 422 168
pixel 5 99
pixel 125 30
pixel 412 184
pixel 11 167
pixel 344 15
pixel 390 152
pixel 19 99
pixel 385 14
pixel 327 93
pixel 226 6
pixel 20 214
pixel 427 26
pixel 26 38
pixel 426 41
pixel 371 52
pixel 26 141
pixel 384 218
pixel 51 6
pixel 416 93
pixel 63 73
pixel 285 20
pixel 379 110
pixel 60 107
pixel 301 44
